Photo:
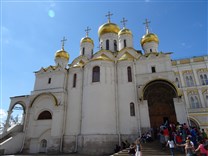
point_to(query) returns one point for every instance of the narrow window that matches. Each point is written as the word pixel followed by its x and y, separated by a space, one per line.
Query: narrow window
pixel 177 82
pixel 206 101
pixel 124 43
pixel 74 80
pixel 202 79
pixel 91 53
pixel 107 44
pixel 129 74
pixel 191 81
pixel 45 115
pixel 115 45
pixel 150 50
pixel 192 103
pixel 205 79
pixel 132 109
pixel 197 105
pixel 153 69
pixel 49 80
pixel 83 51
pixel 96 74
pixel 187 81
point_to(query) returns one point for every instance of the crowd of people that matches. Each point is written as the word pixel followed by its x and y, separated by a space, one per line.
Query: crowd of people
pixel 192 141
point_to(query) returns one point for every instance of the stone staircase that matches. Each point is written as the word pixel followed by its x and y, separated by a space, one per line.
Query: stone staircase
pixel 151 149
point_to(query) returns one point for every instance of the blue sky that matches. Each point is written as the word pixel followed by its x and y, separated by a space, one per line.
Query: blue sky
pixel 31 32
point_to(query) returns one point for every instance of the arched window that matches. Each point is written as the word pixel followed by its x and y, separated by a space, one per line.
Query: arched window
pixel 187 81
pixel 202 79
pixel 206 101
pixel 191 81
pixel 74 80
pixel 107 44
pixel 115 45
pixel 96 74
pixel 49 80
pixel 83 51
pixel 177 82
pixel 124 43
pixel 129 74
pixel 205 79
pixel 196 101
pixel 192 103
pixel 45 115
pixel 132 109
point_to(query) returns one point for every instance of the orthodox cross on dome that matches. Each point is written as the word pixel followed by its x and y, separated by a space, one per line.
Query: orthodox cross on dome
pixel 63 40
pixel 147 26
pixel 124 22
pixel 87 31
pixel 109 15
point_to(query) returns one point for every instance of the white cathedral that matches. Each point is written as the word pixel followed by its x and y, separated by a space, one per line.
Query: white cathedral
pixel 108 96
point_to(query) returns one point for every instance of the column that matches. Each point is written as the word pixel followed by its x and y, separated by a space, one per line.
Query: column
pixel 7 120
pixel 180 109
pixel 144 114
pixel 196 77
pixel 201 98
pixel 182 80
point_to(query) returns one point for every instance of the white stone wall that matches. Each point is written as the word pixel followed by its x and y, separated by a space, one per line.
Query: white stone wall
pixel 126 95
pixel 128 38
pixel 149 47
pixel 98 109
pixel 88 49
pixel 111 37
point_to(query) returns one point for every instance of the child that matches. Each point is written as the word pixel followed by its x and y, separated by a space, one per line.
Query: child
pixel 171 145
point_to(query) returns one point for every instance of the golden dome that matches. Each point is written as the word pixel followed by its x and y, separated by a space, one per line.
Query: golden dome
pixel 108 28
pixel 62 54
pixel 87 39
pixel 149 38
pixel 125 31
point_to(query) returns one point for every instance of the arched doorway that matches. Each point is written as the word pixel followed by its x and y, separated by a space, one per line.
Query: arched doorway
pixel 159 95
pixel 43 146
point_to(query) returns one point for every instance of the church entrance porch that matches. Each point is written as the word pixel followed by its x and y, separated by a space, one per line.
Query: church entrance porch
pixel 160 96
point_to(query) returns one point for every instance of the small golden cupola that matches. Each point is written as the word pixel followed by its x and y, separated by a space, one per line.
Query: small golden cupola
pixel 86 45
pixel 149 41
pixel 108 35
pixel 125 36
pixel 62 56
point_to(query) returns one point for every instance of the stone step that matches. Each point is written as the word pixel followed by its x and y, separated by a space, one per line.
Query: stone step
pixel 151 149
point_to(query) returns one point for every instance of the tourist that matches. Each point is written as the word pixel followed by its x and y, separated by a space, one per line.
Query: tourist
pixel 203 151
pixel 189 148
pixel 132 149
pixel 162 140
pixel 171 145
pixel 117 148
pixel 138 148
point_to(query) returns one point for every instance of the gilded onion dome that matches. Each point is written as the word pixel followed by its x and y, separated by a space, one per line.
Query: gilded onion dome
pixel 125 31
pixel 108 28
pixel 87 39
pixel 62 54
pixel 149 38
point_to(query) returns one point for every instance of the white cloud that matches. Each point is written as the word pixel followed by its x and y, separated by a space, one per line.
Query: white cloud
pixel 3 114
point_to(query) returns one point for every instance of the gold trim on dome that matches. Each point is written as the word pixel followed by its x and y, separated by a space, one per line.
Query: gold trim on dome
pixel 87 39
pixel 187 72
pixel 62 54
pixel 102 57
pixel 108 28
pixel 126 57
pixel 185 61
pixel 201 70
pixel 198 59
pixel 125 31
pixel 149 38
pixel 192 91
pixel 79 64
pixel 174 63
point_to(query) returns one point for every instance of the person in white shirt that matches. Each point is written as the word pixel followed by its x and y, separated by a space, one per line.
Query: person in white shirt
pixel 171 145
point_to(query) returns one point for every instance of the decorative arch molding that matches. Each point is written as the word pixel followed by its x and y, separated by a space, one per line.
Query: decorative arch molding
pixel 19 103
pixel 191 118
pixel 42 94
pixel 177 92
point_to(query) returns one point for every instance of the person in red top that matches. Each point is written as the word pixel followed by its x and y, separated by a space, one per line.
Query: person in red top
pixel 166 134
pixel 203 151
pixel 179 141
